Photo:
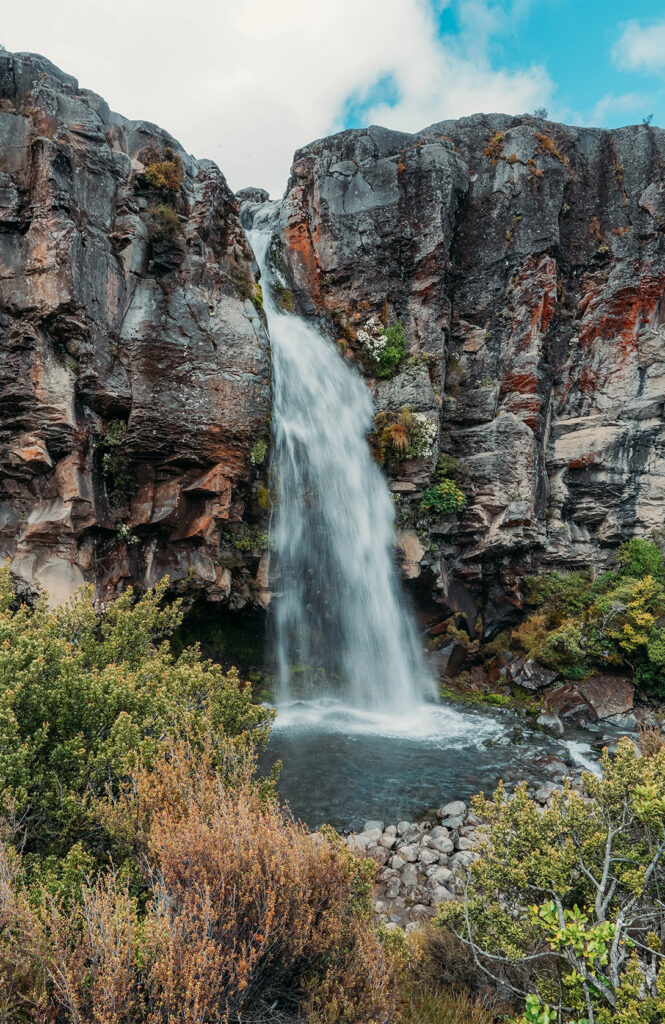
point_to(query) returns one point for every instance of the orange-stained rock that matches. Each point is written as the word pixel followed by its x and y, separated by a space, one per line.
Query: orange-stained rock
pixel 534 274
pixel 32 451
pixel 214 481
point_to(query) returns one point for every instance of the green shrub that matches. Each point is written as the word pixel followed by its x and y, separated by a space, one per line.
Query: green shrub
pixel 257 456
pixel 565 902
pixel 442 499
pixel 115 462
pixel 450 467
pixel 385 350
pixel 85 698
pixel 583 624
pixel 263 499
pixel 248 538
pixel 163 223
pixel 393 351
pixel 283 296
pixel 640 557
pixel 560 593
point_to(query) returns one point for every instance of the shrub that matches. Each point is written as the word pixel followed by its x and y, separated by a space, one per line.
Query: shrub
pixel 385 348
pixel 403 435
pixel 640 557
pixel 263 499
pixel 564 904
pixel 257 456
pixel 85 697
pixel 165 171
pixel 616 619
pixel 494 148
pixel 248 538
pixel 442 499
pixel 163 223
pixel 450 467
pixel 393 352
pixel 243 911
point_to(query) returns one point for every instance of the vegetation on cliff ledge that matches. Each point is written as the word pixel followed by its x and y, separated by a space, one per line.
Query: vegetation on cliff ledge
pixel 582 623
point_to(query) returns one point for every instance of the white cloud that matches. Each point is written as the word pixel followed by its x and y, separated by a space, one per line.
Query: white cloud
pixel 641 47
pixel 245 82
pixel 609 108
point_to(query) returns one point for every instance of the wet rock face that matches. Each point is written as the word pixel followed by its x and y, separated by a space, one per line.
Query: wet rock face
pixel 134 368
pixel 528 258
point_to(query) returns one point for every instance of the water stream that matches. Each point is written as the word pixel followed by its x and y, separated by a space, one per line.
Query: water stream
pixel 357 728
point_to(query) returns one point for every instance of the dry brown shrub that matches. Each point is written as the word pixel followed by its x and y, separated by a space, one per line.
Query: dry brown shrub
pixel 494 148
pixel 242 910
pixel 445 984
pixel 594 229
pixel 651 740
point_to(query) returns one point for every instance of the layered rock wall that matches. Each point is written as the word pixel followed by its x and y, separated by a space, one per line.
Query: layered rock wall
pixel 526 261
pixel 134 365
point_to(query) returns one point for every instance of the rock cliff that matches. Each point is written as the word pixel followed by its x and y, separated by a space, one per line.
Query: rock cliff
pixel 134 363
pixel 526 261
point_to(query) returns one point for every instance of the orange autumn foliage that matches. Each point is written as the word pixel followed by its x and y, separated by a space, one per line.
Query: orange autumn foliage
pixel 241 909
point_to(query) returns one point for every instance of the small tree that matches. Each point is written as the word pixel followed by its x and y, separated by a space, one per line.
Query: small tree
pixel 565 906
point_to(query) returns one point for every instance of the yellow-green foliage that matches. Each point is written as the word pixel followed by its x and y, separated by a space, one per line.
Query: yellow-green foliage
pixel 85 697
pixel 257 456
pixel 442 499
pixel 584 623
pixel 263 499
pixel 574 892
pixel 164 171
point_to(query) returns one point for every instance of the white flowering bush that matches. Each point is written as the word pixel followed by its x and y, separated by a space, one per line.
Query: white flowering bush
pixel 373 338
pixel 403 435
pixel 422 435
pixel 385 348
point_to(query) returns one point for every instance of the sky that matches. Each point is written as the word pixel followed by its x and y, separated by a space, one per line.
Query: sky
pixel 247 82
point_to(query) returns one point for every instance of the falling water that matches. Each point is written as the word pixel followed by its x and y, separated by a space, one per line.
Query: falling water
pixel 355 734
pixel 340 625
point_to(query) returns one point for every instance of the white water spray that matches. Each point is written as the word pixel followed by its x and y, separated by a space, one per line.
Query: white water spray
pixel 340 624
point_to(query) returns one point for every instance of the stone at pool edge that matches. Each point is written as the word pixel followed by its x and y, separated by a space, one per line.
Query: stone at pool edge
pixel 452 810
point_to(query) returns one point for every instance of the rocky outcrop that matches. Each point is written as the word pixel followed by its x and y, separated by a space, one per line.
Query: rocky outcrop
pixel 524 259
pixel 134 365
pixel 526 262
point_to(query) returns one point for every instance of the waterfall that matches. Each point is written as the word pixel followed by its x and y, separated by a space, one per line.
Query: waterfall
pixel 341 628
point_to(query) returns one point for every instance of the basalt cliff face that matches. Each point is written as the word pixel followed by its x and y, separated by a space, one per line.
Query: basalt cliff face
pixel 134 367
pixel 524 259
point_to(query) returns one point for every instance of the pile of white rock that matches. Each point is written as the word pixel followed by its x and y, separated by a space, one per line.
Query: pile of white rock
pixel 420 865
